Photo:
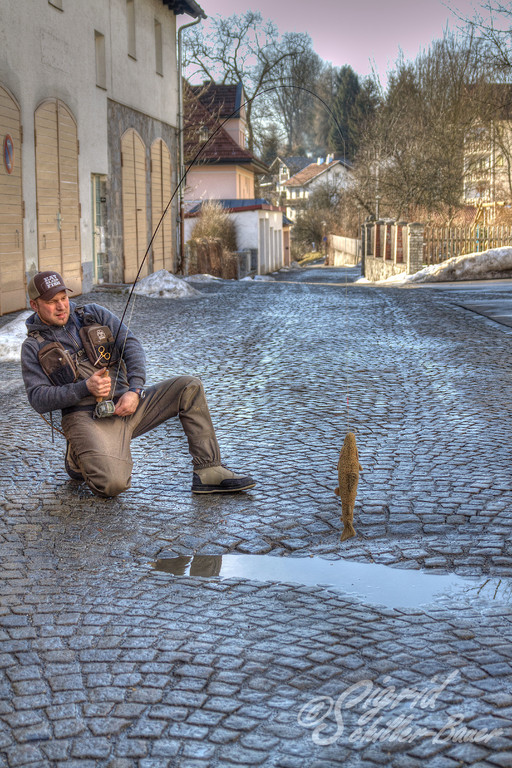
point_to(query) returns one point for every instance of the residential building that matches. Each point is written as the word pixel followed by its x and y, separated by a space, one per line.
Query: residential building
pixel 88 116
pixel 280 170
pixel 224 170
pixel 296 190
pixel 488 153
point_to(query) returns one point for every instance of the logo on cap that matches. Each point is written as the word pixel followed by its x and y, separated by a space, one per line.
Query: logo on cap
pixel 51 281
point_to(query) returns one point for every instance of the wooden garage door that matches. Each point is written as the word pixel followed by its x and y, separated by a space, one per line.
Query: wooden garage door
pixel 12 268
pixel 58 200
pixel 135 240
pixel 160 195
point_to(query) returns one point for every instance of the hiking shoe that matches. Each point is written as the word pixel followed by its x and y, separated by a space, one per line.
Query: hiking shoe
pixel 70 464
pixel 220 480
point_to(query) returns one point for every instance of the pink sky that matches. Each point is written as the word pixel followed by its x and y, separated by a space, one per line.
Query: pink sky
pixel 357 32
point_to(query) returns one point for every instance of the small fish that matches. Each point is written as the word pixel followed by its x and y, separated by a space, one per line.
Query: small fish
pixel 348 478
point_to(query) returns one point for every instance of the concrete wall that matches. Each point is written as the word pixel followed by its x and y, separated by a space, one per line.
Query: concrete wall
pixel 50 53
pixel 343 251
pixel 270 241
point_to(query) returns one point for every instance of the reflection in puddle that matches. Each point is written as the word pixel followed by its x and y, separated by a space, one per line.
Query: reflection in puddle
pixel 371 582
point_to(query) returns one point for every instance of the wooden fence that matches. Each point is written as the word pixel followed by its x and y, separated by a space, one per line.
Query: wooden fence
pixel 441 243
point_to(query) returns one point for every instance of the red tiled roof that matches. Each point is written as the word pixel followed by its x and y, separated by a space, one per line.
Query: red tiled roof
pixel 221 148
pixel 308 173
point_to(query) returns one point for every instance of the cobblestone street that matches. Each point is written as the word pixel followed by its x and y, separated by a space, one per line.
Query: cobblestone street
pixel 105 661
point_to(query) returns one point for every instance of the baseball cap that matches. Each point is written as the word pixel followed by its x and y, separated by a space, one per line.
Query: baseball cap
pixel 45 285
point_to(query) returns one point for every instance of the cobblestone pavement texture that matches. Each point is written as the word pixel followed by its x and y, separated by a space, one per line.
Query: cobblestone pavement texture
pixel 106 662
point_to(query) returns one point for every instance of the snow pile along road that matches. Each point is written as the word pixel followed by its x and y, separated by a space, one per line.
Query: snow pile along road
pixel 165 285
pixel 260 278
pixel 12 335
pixel 493 264
pixel 487 265
pixel 202 277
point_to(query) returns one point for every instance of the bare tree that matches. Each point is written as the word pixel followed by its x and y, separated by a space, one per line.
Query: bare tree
pixel 240 48
pixel 294 79
pixel 413 156
pixel 493 25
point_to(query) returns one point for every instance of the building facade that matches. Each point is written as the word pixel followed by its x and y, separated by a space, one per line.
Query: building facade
pixel 295 191
pixel 225 171
pixel 88 115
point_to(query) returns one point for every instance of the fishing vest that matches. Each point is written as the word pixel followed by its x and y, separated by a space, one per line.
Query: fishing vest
pixel 64 367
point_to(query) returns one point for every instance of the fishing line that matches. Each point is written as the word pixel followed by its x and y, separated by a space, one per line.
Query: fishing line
pixel 196 157
pixel 199 152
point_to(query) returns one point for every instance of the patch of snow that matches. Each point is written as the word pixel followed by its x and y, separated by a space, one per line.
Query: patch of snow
pixel 12 335
pixel 493 264
pixel 362 280
pixel 401 277
pixel 204 277
pixel 260 278
pixel 165 285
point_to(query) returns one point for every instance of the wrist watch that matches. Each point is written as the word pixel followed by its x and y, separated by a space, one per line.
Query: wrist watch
pixel 140 391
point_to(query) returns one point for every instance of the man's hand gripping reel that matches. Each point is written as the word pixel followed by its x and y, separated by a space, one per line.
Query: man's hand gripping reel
pixel 104 407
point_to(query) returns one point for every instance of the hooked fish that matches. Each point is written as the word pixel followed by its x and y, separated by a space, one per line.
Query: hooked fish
pixel 348 479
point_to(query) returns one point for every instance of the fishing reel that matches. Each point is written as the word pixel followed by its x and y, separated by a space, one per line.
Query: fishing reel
pixel 104 409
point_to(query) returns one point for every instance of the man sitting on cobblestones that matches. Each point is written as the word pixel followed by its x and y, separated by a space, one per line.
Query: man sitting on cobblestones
pixel 66 362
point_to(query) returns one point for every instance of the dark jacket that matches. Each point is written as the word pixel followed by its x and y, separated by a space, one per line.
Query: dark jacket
pixel 42 394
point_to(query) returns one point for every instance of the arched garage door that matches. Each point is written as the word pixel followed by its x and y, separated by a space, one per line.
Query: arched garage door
pixel 160 196
pixel 58 202
pixel 12 268
pixel 133 154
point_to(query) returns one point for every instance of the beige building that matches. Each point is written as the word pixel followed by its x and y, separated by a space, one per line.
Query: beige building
pixel 88 116
pixel 488 154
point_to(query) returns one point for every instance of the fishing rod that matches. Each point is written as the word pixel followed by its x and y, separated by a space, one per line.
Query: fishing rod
pixel 106 408
pixel 196 157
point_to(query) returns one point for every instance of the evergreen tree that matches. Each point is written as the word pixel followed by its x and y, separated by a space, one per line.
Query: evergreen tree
pixel 343 137
pixel 354 104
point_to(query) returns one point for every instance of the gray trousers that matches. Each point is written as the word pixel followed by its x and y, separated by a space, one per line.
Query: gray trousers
pixel 101 447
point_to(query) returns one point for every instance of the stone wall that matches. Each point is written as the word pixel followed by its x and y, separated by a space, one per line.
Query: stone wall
pixel 391 248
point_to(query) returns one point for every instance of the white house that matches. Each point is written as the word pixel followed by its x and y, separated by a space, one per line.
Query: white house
pixel 297 189
pixel 261 229
pixel 88 116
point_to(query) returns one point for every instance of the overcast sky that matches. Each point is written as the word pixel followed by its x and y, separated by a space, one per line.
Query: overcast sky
pixel 358 32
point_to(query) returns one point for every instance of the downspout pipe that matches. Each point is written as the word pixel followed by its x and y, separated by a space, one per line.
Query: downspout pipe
pixel 181 160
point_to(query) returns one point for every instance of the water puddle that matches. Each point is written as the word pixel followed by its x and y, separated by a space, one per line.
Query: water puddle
pixel 370 582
